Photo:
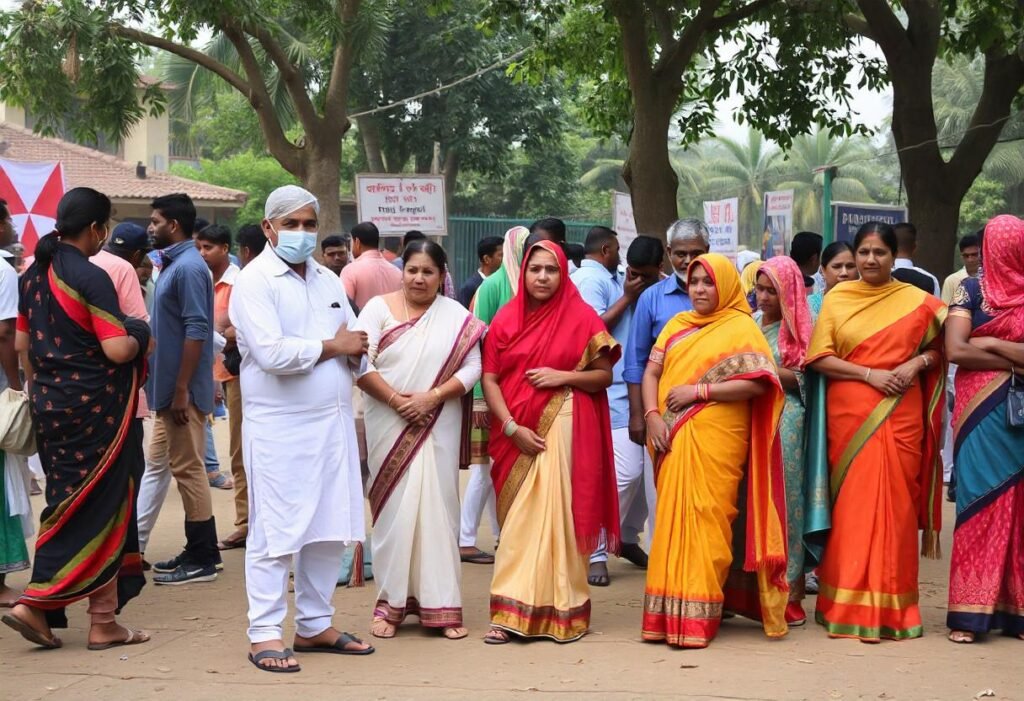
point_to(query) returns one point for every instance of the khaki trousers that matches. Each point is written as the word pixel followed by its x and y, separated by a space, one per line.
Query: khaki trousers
pixel 233 395
pixel 186 450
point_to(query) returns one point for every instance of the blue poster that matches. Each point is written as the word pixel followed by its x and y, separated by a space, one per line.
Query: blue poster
pixel 849 217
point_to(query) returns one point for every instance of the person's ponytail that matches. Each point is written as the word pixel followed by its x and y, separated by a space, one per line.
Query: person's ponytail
pixel 78 209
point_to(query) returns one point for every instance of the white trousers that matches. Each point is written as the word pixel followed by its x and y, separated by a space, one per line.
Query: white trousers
pixel 316 567
pixel 478 497
pixel 947 428
pixel 631 482
pixel 156 480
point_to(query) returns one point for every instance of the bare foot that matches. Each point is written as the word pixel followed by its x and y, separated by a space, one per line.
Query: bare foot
pixel 380 628
pixel 107 635
pixel 31 623
pixel 961 636
pixel 496 636
pixel 328 639
pixel 8 596
pixel 268 662
pixel 455 632
pixel 598 575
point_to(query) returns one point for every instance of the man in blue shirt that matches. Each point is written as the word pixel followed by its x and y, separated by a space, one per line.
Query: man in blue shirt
pixel 687 239
pixel 181 389
pixel 613 297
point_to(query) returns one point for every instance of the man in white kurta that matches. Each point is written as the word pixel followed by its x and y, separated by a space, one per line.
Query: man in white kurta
pixel 293 324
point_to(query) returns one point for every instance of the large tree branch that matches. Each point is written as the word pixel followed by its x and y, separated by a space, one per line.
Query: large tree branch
pixel 1003 80
pixel 292 75
pixel 259 97
pixel 336 99
pixel 671 66
pixel 738 15
pixel 886 29
pixel 635 52
pixel 198 57
pixel 859 26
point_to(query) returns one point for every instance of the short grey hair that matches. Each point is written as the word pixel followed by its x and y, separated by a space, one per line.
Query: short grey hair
pixel 689 230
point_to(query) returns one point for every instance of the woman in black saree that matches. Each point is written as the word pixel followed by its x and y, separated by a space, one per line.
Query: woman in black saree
pixel 84 362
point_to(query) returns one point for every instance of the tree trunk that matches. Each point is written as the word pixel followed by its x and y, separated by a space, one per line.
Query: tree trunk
pixel 651 178
pixel 934 208
pixel 323 178
pixel 451 176
pixel 369 131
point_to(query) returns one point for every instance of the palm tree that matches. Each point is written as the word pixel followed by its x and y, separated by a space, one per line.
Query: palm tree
pixel 745 169
pixel 603 165
pixel 858 180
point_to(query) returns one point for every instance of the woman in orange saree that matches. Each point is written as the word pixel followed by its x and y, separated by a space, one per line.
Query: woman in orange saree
pixel 713 402
pixel 879 343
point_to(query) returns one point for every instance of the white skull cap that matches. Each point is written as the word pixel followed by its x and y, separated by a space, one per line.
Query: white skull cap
pixel 285 200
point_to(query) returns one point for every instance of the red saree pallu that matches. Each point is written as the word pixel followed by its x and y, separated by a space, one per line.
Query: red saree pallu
pixel 565 334
pixel 884 464
pixel 90 443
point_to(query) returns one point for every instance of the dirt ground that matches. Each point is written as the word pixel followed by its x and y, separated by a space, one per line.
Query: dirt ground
pixel 198 650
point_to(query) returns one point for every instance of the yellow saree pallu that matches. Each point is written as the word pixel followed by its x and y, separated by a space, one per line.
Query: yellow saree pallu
pixel 714 445
pixel 884 464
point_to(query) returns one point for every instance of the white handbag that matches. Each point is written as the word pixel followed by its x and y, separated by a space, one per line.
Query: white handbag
pixel 17 434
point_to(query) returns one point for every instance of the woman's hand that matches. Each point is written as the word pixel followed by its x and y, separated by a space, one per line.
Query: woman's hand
pixel 886 382
pixel 680 397
pixel 546 378
pixel 416 408
pixel 528 442
pixel 907 372
pixel 657 431
pixel 985 343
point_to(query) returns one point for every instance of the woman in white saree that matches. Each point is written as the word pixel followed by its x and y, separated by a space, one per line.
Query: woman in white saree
pixel 423 358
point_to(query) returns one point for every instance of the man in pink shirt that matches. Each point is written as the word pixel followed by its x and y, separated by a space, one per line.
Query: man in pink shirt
pixel 127 246
pixel 370 274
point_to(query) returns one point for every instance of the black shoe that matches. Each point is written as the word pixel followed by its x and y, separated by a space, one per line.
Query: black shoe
pixel 186 574
pixel 146 567
pixel 951 493
pixel 176 562
pixel 634 553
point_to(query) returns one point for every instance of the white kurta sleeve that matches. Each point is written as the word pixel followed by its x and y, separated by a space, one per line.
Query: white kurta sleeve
pixel 255 317
pixel 371 320
pixel 469 373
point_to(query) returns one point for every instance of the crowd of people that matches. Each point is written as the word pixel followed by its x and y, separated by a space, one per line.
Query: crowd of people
pixel 771 427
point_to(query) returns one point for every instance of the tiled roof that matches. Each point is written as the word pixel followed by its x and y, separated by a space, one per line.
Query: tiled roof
pixel 108 174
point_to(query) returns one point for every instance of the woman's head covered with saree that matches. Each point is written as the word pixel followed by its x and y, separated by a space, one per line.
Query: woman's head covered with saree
pixel 563 333
pixel 717 345
pixel 795 332
pixel 1002 278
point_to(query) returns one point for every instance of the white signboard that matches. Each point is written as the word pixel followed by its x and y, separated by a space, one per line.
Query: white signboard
pixel 622 220
pixel 722 218
pixel 778 223
pixel 400 203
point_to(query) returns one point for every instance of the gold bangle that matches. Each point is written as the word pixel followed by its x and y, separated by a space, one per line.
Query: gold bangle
pixel 437 394
pixel 393 394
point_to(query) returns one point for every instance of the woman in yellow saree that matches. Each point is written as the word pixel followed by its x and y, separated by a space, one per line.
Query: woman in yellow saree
pixel 713 402
pixel 879 343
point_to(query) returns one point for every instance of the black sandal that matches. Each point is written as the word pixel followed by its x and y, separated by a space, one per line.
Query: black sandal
pixel 31 634
pixel 478 558
pixel 338 648
pixel 274 655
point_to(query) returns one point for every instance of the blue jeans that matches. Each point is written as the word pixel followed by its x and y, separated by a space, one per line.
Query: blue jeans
pixel 212 464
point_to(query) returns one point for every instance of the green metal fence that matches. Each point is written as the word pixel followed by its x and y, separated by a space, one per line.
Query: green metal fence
pixel 465 232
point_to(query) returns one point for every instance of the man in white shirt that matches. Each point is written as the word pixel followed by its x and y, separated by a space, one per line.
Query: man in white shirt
pixel 292 321
pixel 970 254
pixel 906 237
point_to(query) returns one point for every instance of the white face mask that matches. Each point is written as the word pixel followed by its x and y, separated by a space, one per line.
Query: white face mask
pixel 295 245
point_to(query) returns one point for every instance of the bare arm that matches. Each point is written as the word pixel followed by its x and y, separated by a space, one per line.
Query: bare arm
pixel 525 438
pixel 1010 351
pixel 120 350
pixel 637 430
pixel 735 390
pixel 8 355
pixel 960 349
pixel 789 379
pixel 595 377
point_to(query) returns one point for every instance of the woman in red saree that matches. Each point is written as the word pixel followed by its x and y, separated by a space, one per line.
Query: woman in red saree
pixel 547 362
pixel 879 343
